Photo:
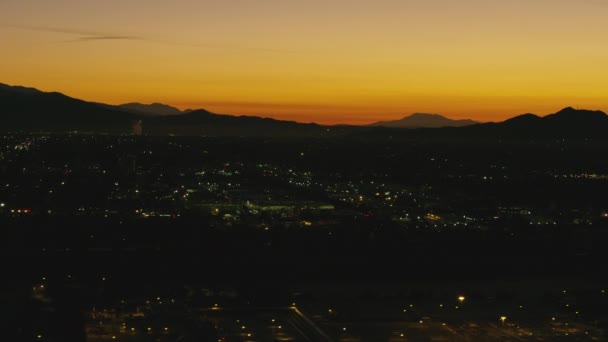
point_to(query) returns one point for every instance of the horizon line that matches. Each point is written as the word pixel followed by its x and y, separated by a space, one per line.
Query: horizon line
pixel 274 116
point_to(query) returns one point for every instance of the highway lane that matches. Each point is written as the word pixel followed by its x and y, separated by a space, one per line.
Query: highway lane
pixel 265 324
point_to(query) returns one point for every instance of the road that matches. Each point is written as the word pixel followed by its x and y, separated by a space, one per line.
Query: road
pixel 257 324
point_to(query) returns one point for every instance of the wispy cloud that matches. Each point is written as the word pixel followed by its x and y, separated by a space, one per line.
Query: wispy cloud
pixel 81 39
pixel 85 35
pixel 91 36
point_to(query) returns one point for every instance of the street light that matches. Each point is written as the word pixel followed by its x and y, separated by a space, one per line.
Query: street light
pixel 461 299
pixel 503 319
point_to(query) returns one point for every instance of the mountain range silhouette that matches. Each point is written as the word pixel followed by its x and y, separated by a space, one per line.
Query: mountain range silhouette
pixel 25 109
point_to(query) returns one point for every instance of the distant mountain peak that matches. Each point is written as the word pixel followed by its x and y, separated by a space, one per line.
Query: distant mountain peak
pixel 153 109
pixel 566 110
pixel 424 120
pixel 424 115
pixel 569 111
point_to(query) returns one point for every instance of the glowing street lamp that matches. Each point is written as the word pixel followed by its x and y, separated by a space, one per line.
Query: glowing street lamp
pixel 503 319
pixel 461 299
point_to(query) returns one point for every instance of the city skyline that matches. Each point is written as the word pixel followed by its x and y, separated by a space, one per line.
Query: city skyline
pixel 335 63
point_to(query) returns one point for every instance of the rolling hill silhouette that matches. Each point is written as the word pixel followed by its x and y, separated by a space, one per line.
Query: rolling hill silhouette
pixel 567 123
pixel 202 122
pixel 30 109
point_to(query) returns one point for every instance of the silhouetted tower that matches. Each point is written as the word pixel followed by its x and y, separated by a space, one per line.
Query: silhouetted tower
pixel 137 127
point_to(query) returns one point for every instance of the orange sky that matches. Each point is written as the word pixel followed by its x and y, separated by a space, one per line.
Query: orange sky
pixel 339 61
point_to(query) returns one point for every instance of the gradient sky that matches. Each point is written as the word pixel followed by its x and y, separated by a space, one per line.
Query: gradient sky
pixel 327 61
